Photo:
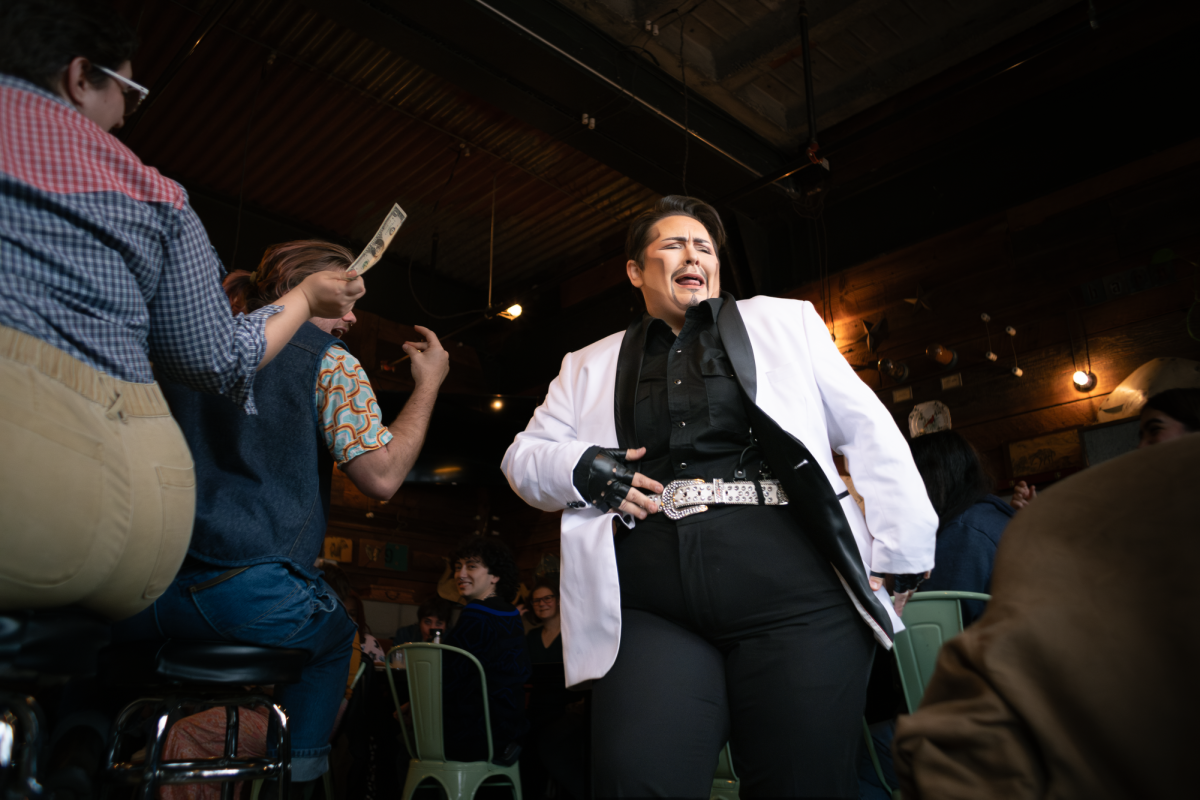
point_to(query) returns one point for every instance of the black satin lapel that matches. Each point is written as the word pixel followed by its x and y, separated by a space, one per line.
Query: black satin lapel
pixel 736 341
pixel 629 369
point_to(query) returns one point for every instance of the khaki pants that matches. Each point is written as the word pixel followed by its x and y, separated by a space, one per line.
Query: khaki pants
pixel 97 492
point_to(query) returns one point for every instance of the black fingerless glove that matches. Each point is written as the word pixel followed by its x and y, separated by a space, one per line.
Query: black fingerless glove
pixel 902 583
pixel 602 477
pixel 908 583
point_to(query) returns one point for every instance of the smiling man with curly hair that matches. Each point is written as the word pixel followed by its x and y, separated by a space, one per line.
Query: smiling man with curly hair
pixel 490 629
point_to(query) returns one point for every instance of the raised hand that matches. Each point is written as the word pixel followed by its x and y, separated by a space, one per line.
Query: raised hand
pixel 1022 495
pixel 331 294
pixel 430 361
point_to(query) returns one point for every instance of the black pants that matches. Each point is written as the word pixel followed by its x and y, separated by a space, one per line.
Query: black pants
pixel 733 629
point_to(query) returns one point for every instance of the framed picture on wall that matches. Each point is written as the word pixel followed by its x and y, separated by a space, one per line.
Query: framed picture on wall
pixel 1052 453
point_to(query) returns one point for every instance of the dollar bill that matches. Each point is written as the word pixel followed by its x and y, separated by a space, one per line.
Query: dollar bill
pixel 378 245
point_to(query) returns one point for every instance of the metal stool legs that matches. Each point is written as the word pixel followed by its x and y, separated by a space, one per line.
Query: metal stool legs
pixel 21 739
pixel 224 769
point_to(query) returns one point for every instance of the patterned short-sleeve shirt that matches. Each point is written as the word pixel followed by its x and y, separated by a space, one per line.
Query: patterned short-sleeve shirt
pixel 347 407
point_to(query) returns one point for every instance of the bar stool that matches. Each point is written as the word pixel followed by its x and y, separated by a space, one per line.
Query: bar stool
pixel 189 676
pixel 38 647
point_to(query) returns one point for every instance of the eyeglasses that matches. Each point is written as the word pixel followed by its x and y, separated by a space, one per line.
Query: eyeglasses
pixel 541 601
pixel 134 93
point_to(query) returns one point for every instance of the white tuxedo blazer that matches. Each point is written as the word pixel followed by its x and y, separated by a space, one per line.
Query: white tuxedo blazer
pixel 804 384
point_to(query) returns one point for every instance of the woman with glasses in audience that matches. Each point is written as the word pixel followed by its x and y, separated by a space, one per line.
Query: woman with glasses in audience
pixel 105 268
pixel 545 643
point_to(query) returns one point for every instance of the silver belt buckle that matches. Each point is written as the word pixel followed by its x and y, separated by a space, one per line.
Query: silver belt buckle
pixel 668 500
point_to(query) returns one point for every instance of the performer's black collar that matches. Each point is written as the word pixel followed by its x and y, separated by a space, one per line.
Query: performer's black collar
pixel 734 339
pixel 659 327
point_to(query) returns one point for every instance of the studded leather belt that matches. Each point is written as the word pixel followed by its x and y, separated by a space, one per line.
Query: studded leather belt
pixel 684 498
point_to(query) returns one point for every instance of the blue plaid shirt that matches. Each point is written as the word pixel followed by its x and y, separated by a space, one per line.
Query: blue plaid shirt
pixel 103 258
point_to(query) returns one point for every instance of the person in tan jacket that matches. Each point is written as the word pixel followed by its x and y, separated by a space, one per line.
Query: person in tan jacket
pixel 1080 678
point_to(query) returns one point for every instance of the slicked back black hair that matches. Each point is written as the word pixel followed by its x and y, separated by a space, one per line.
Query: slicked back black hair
pixel 673 205
pixel 40 38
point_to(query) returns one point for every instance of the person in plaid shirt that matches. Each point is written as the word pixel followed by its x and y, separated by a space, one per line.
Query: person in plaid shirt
pixel 105 270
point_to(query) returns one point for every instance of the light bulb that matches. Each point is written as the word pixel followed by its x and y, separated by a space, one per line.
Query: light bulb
pixel 1083 381
pixel 497 404
pixel 512 312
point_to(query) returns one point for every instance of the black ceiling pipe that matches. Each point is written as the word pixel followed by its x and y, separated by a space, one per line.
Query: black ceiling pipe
pixel 809 104
pixel 206 24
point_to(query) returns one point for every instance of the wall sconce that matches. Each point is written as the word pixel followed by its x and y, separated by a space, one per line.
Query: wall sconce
pixel 1083 381
pixel 896 370
pixel 942 355
pixel 512 312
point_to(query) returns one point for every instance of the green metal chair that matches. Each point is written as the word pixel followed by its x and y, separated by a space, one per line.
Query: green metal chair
pixel 725 781
pixel 930 619
pixel 892 793
pixel 458 779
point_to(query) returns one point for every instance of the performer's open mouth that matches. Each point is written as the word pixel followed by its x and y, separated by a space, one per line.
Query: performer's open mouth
pixel 691 281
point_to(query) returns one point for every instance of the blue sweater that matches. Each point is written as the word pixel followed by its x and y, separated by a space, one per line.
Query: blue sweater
pixel 966 551
pixel 490 630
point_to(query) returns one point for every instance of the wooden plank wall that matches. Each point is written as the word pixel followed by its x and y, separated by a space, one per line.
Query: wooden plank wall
pixel 1028 268
pixel 430 520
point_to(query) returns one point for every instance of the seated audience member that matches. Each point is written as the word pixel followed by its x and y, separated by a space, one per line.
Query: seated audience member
pixel 489 628
pixel 970 518
pixel 1165 416
pixel 103 267
pixel 548 693
pixel 1168 416
pixel 263 484
pixel 433 615
pixel 202 735
pixel 1079 681
pixel 970 522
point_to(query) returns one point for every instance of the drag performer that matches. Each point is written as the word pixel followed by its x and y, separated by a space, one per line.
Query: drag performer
pixel 744 602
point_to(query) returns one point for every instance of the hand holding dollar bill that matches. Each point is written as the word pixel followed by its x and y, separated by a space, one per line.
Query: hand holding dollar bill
pixel 378 245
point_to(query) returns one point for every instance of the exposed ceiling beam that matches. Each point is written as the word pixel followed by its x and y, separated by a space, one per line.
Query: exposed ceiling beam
pixel 490 57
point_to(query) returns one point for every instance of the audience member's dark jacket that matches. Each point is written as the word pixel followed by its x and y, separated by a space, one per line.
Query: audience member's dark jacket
pixel 490 630
pixel 1080 680
pixel 966 550
pixel 550 696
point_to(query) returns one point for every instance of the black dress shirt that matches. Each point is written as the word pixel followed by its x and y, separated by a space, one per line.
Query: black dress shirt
pixel 690 413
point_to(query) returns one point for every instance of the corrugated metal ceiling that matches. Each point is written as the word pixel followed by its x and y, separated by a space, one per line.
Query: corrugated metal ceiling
pixel 337 128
